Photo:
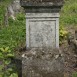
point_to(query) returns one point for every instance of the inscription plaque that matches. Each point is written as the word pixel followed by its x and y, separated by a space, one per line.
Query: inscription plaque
pixel 42 30
pixel 42 33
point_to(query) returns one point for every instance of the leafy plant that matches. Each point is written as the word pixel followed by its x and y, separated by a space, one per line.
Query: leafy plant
pixel 63 34
pixel 5 58
pixel 14 34
pixel 69 13
pixel 3 5
pixel 14 75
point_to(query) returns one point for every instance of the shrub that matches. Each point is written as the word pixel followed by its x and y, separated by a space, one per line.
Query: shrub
pixel 69 12
pixel 3 5
pixel 5 58
pixel 62 34
pixel 14 34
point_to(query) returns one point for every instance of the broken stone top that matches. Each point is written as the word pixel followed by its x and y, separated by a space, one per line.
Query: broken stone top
pixel 43 3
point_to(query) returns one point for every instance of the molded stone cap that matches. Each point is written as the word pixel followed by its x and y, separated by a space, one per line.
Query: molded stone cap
pixel 41 3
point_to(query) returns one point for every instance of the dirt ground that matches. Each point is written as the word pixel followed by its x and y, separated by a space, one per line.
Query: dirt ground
pixel 70 60
pixel 70 55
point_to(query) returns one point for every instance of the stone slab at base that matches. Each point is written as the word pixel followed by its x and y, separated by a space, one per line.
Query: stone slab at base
pixel 42 63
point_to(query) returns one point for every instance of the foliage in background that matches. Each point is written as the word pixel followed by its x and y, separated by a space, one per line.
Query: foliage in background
pixel 5 59
pixel 62 34
pixel 10 37
pixel 68 16
pixel 3 6
pixel 69 13
pixel 14 34
pixel 74 74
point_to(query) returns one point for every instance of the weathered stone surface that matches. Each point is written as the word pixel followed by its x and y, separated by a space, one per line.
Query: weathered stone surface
pixel 42 6
pixel 14 8
pixel 42 2
pixel 42 34
pixel 42 63
pixel 42 23
pixel 42 30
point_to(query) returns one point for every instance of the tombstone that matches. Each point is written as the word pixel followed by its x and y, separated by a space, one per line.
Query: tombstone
pixel 42 23
pixel 42 58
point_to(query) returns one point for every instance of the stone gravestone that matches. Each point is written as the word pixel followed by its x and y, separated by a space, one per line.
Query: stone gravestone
pixel 43 58
pixel 42 23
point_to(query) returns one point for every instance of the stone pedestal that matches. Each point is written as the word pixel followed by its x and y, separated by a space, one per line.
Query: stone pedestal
pixel 42 30
pixel 42 23
pixel 42 35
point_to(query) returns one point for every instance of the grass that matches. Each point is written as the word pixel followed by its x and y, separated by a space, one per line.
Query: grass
pixel 3 6
pixel 14 34
pixel 69 13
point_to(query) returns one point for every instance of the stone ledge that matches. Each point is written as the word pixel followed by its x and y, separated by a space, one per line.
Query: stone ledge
pixel 41 6
pixel 42 3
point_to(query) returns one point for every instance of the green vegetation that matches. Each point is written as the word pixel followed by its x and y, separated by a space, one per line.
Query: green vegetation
pixel 69 13
pixel 74 74
pixel 11 37
pixel 3 6
pixel 5 58
pixel 68 17
pixel 63 34
pixel 14 34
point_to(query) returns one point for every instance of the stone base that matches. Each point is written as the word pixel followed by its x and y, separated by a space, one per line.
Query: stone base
pixel 42 63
